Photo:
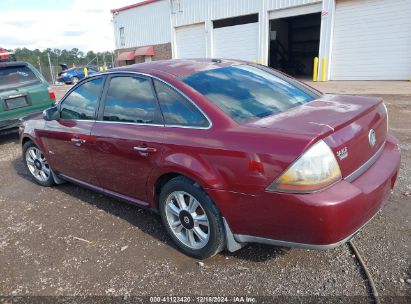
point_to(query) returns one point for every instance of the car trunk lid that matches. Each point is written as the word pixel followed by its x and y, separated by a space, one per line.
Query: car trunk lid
pixel 344 122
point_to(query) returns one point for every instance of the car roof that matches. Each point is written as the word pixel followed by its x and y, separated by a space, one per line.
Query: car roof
pixel 13 63
pixel 180 67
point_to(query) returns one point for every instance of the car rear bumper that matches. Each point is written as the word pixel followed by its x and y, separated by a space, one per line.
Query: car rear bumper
pixel 64 79
pixel 9 124
pixel 319 220
pixel 15 122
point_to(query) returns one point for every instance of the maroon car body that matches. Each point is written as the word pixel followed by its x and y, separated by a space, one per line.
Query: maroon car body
pixel 235 163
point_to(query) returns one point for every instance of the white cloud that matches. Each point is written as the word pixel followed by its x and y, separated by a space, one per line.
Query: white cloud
pixel 86 25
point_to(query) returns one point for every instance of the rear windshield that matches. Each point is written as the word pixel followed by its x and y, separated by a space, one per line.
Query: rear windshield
pixel 246 92
pixel 17 76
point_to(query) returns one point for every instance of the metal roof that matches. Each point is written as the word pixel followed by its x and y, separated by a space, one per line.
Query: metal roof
pixel 124 8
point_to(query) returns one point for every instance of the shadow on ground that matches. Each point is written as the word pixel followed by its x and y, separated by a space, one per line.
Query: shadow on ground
pixel 9 136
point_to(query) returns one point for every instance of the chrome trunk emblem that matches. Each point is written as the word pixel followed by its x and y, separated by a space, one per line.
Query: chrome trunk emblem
pixel 343 153
pixel 371 138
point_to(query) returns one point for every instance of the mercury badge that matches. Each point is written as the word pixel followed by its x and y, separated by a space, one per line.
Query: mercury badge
pixel 343 153
pixel 371 138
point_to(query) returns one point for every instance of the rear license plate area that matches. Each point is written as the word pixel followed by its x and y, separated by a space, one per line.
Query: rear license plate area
pixel 16 102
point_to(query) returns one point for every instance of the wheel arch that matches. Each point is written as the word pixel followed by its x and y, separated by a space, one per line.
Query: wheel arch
pixel 157 182
pixel 26 138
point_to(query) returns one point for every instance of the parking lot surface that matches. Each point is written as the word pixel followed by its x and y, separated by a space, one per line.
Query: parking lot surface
pixel 67 240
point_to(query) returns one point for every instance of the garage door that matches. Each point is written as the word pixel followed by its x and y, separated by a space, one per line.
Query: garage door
pixel 236 42
pixel 191 41
pixel 372 40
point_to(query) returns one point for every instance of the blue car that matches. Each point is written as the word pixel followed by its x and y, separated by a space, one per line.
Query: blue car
pixel 74 75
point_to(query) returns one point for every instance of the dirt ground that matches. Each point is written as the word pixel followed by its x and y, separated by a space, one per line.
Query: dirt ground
pixel 68 241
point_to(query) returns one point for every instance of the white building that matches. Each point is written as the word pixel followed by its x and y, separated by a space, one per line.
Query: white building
pixel 359 39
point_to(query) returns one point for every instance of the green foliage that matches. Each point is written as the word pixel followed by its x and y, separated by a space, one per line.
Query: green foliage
pixel 57 56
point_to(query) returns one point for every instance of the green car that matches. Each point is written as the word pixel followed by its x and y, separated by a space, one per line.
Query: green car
pixel 23 92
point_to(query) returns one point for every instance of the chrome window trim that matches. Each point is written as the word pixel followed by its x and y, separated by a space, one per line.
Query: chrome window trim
pixel 171 86
pixel 129 123
pixel 357 173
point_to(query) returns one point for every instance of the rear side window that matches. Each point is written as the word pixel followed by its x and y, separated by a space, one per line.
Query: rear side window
pixel 176 109
pixel 81 103
pixel 17 76
pixel 246 92
pixel 130 99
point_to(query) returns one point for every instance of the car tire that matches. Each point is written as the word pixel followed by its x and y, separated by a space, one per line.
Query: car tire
pixel 37 164
pixel 197 229
pixel 75 80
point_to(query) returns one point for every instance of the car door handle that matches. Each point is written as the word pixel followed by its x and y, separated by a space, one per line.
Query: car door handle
pixel 77 141
pixel 145 149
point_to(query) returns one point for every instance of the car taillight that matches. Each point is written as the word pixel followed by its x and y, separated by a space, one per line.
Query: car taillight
pixel 51 94
pixel 315 170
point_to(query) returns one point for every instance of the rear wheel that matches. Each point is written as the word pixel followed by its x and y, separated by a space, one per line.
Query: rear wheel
pixel 191 218
pixel 37 164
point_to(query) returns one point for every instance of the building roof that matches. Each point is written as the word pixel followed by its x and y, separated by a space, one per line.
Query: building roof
pixel 181 67
pixel 124 8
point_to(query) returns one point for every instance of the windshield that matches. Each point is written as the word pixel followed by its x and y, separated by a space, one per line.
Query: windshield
pixel 17 76
pixel 246 92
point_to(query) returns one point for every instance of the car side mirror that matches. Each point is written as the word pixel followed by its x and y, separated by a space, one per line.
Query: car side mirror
pixel 50 114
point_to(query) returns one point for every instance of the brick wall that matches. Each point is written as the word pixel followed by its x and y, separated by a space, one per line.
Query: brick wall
pixel 161 52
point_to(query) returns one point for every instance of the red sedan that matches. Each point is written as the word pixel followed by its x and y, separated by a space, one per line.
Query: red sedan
pixel 227 152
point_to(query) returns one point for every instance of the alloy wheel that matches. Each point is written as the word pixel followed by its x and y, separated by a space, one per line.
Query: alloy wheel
pixel 187 219
pixel 37 164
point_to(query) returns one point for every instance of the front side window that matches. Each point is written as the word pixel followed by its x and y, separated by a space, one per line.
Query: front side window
pixel 246 92
pixel 130 99
pixel 176 109
pixel 81 103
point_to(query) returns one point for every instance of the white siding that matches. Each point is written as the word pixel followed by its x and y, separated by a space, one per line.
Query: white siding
pixel 372 40
pixel 296 11
pixel 191 41
pixel 195 11
pixel 144 25
pixel 280 4
pixel 237 42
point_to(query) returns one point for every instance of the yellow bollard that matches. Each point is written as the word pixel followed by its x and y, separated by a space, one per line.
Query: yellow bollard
pixel 85 72
pixel 323 69
pixel 101 69
pixel 315 71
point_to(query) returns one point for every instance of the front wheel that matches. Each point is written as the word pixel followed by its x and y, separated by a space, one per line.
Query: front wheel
pixel 37 164
pixel 191 218
pixel 75 80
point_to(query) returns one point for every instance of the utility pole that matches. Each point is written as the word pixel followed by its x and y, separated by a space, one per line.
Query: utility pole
pixel 51 69
pixel 39 63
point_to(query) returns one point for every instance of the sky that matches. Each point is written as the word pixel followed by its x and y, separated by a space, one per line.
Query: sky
pixel 63 24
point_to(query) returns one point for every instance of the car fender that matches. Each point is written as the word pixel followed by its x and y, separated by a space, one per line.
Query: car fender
pixel 28 131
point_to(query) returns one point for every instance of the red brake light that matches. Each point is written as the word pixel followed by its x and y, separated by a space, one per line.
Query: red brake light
pixel 52 95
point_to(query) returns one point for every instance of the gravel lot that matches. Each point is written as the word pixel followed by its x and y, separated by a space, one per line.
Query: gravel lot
pixel 70 241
